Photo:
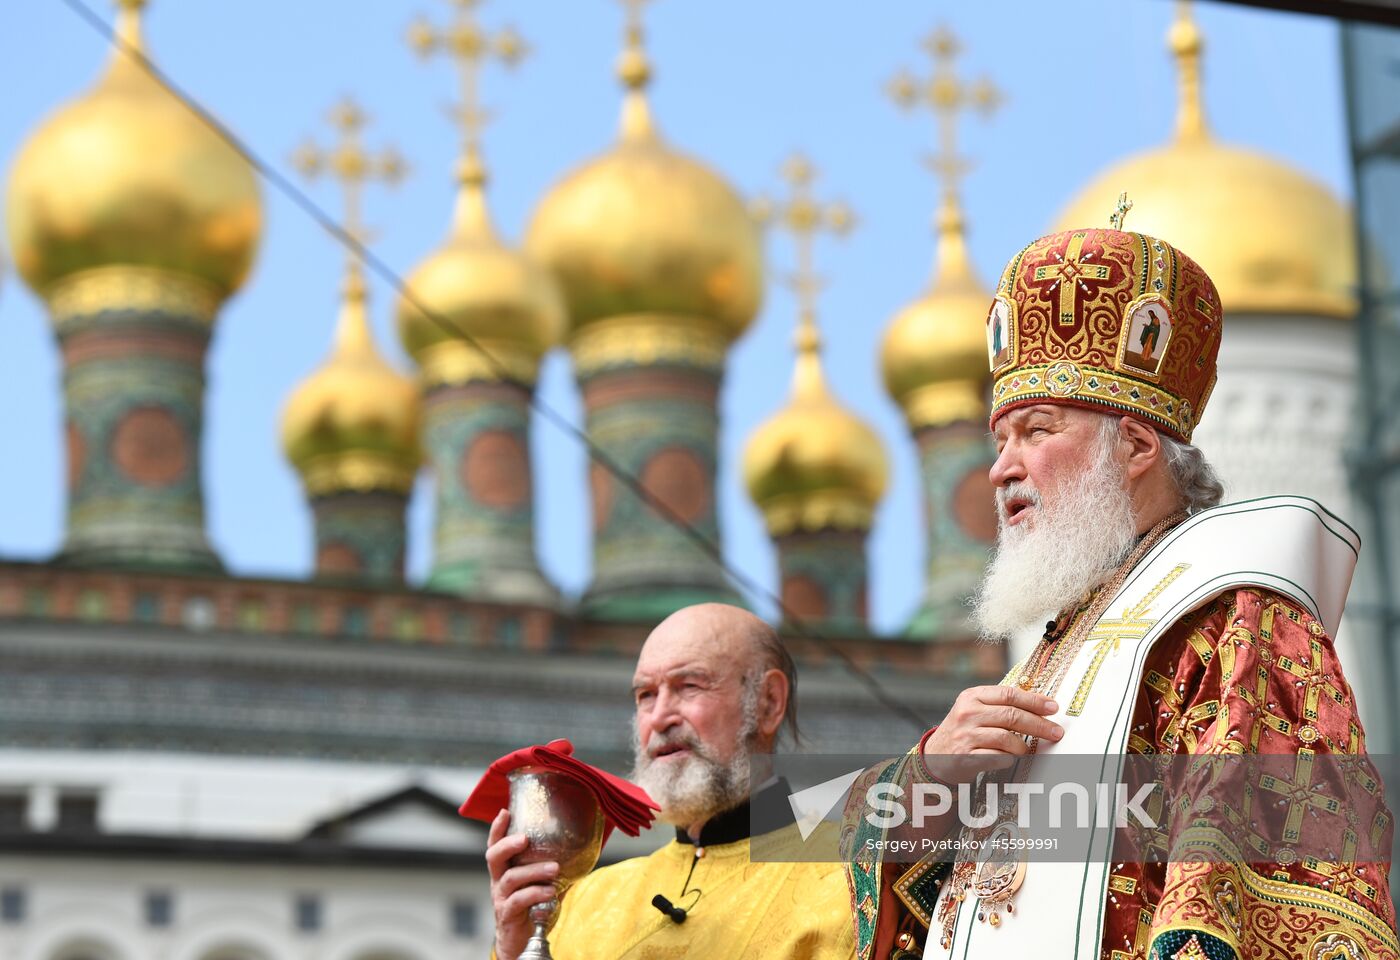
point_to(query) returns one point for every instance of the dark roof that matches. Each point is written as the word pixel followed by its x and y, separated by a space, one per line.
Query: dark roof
pixel 309 852
pixel 332 827
pixel 1372 11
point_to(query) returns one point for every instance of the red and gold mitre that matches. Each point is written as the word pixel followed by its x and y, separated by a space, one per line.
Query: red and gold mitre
pixel 1109 320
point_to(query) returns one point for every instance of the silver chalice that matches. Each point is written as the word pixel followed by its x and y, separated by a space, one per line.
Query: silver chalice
pixel 564 822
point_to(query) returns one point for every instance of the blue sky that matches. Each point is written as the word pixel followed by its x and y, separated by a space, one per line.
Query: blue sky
pixel 738 83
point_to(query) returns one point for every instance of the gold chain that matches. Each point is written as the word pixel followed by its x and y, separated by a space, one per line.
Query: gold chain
pixel 1054 654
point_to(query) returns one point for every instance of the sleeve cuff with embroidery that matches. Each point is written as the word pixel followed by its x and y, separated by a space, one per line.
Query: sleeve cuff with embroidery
pixel 921 770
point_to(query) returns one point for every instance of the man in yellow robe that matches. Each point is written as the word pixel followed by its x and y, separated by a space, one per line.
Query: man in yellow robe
pixel 713 685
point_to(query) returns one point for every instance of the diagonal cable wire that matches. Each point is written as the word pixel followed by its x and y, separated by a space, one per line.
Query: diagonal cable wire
pixel 597 454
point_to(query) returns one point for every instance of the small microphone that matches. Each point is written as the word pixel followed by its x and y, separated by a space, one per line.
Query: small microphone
pixel 677 914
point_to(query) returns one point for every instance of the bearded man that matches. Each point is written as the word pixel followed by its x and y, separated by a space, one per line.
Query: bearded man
pixel 1177 628
pixel 713 684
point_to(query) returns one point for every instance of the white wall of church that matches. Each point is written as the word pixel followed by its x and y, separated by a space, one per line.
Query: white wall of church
pixel 95 906
pixel 229 797
pixel 98 909
pixel 1279 419
pixel 252 798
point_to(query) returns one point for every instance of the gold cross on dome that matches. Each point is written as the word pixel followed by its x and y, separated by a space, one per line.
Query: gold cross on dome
pixel 803 217
pixel 349 163
pixel 633 66
pixel 633 9
pixel 1120 212
pixel 948 97
pixel 470 48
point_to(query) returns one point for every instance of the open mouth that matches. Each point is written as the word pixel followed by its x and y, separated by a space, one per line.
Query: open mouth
pixel 670 750
pixel 1017 510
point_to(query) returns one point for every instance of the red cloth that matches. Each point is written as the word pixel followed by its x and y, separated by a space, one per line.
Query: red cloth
pixel 1257 658
pixel 1250 673
pixel 626 806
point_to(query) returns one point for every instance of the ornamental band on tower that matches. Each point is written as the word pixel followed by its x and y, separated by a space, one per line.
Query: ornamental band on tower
pixel 134 222
pixel 351 428
pixel 477 318
pixel 661 269
pixel 1281 249
pixel 935 367
pixel 815 469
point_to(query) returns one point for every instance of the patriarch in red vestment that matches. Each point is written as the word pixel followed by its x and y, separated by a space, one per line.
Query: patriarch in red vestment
pixel 1096 480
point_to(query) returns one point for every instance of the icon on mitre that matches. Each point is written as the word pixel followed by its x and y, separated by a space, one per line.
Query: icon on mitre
pixel 999 332
pixel 1149 332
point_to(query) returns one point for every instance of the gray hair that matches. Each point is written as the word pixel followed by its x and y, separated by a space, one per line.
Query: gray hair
pixel 1196 481
pixel 772 654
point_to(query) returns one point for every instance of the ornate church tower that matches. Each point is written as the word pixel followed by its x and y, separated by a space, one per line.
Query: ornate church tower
pixel 134 221
pixel 351 428
pixel 478 319
pixel 661 270
pixel 936 368
pixel 816 470
pixel 1280 249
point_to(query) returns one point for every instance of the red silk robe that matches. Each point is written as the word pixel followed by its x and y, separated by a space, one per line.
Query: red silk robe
pixel 1250 673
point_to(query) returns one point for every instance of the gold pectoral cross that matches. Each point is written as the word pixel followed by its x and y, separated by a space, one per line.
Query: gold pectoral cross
pixel 1110 634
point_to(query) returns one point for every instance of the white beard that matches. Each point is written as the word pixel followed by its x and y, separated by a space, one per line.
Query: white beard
pixel 1076 538
pixel 694 788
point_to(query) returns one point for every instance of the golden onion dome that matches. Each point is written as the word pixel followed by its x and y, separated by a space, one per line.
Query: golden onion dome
pixel 934 354
pixel 1273 239
pixel 353 424
pixel 476 284
pixel 644 229
pixel 128 175
pixel 815 465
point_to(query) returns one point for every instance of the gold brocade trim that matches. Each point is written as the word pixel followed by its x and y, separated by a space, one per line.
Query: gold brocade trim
pixel 821 510
pixel 646 339
pixel 1344 916
pixel 357 471
pixel 137 289
pixel 100 510
pixel 939 404
pixel 1063 380
pixel 452 363
pixel 906 881
pixel 1132 625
